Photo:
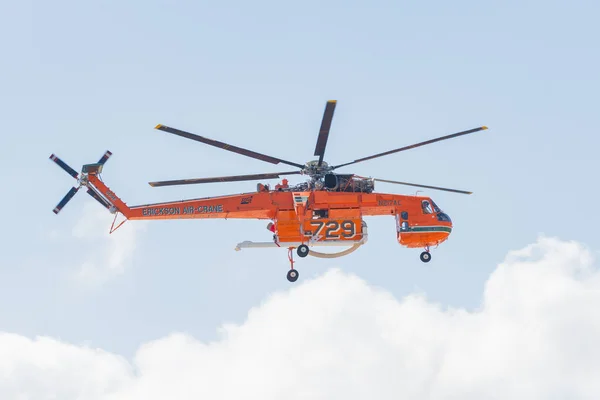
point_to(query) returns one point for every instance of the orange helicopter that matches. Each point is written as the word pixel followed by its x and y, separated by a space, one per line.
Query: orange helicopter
pixel 326 210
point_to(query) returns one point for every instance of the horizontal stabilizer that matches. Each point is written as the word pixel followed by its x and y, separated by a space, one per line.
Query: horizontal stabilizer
pixel 92 168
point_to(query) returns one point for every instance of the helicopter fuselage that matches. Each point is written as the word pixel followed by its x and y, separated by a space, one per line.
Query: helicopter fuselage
pixel 305 216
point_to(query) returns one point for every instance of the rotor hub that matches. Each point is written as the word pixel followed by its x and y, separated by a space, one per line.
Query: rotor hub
pixel 313 169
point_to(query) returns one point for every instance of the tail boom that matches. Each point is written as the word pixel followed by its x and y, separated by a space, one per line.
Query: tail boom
pixel 109 195
pixel 238 206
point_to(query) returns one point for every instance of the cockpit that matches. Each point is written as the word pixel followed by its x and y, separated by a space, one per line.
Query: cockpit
pixel 429 207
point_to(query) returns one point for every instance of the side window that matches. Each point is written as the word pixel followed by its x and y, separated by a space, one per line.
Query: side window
pixel 404 215
pixel 404 226
pixel 427 209
pixel 320 214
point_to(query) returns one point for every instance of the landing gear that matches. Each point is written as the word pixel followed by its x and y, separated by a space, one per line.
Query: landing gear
pixel 292 274
pixel 302 250
pixel 426 256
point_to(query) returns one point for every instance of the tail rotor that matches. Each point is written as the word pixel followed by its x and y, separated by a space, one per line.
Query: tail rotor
pixel 81 180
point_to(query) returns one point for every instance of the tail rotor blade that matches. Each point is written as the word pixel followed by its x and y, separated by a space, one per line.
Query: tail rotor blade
pixel 105 157
pixel 64 166
pixel 65 199
pixel 98 198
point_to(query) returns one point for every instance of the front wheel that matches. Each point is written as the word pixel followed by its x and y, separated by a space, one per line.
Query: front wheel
pixel 302 250
pixel 425 256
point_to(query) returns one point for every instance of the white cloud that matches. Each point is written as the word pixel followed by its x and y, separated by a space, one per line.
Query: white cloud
pixel 48 369
pixel 536 336
pixel 107 255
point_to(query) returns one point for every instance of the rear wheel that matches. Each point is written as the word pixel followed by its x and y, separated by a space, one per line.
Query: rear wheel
pixel 292 275
pixel 302 250
pixel 425 256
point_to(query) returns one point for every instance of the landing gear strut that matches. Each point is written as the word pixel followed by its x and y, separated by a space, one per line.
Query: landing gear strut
pixel 426 256
pixel 292 274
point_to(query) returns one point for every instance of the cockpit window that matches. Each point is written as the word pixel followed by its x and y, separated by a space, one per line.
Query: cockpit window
pixel 443 217
pixel 426 205
pixel 435 207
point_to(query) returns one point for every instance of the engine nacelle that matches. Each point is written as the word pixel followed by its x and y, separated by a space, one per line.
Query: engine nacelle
pixel 331 181
pixel 347 183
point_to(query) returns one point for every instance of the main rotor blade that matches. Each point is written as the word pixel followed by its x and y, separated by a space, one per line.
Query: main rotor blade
pixel 481 128
pixel 225 146
pixel 64 166
pixel 424 186
pixel 324 130
pixel 233 178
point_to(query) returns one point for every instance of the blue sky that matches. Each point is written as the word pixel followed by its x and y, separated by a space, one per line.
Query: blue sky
pixel 78 78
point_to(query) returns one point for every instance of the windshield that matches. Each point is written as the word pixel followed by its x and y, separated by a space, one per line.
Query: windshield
pixel 435 207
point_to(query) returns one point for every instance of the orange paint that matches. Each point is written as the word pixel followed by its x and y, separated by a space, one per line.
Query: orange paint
pixel 326 216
